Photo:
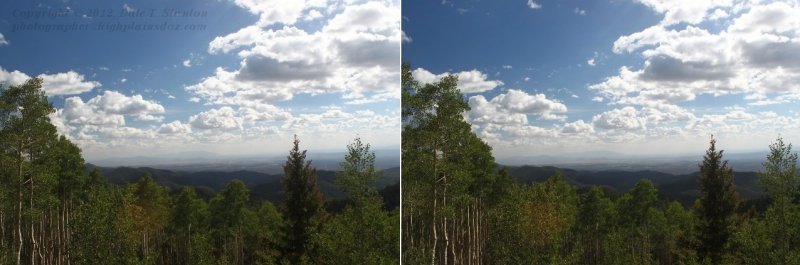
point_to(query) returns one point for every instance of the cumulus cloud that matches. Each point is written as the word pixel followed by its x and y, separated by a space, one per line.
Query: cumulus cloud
pixel 577 127
pixel 13 78
pixel 693 12
pixel 513 107
pixel 110 108
pixel 521 102
pixel 626 118
pixel 68 83
pixel 355 54
pixel 472 81
pixel 175 127
pixel 277 11
pixel 224 118
pixel 755 55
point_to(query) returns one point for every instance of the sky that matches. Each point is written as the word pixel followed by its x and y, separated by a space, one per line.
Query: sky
pixel 635 77
pixel 230 77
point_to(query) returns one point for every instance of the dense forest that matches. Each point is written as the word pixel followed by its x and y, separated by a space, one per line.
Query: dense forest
pixel 52 212
pixel 459 207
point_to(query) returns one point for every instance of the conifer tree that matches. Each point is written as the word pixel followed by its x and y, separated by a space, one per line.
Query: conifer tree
pixel 716 207
pixel 303 203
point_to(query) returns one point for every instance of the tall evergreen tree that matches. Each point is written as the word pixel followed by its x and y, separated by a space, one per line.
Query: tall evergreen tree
pixel 303 206
pixel 716 207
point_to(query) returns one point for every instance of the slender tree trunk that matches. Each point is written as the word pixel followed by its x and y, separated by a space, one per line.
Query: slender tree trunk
pixel 410 226
pixel 19 204
pixel 2 229
pixel 444 223
pixel 433 224
pixel 34 246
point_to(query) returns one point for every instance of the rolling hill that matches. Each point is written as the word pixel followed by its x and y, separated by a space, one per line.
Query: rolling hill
pixel 681 188
pixel 262 185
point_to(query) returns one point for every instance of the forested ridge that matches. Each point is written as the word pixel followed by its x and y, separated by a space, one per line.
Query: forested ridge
pixel 262 185
pixel 53 212
pixel 459 207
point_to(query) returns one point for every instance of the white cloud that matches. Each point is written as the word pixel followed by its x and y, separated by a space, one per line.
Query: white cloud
pixel 485 112
pixel 128 8
pixel 3 40
pixel 69 83
pixel 507 67
pixel 175 127
pixel 513 108
pixel 590 62
pixel 472 81
pixel 626 118
pixel 123 80
pixel 521 102
pixel 224 118
pixel 355 53
pixel 755 55
pixel 533 5
pixel 312 14
pixel 187 63
pixel 577 127
pixel 692 12
pixel 14 78
pixel 112 102
pixel 276 11
pixel 579 11
pixel 110 108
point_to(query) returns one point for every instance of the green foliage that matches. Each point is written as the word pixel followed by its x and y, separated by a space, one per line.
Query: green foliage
pixel 782 220
pixel 781 179
pixel 358 174
pixel 538 219
pixel 96 233
pixel 364 232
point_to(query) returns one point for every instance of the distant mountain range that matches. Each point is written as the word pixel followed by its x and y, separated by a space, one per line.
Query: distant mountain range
pixel 602 160
pixel 262 185
pixel 679 187
pixel 269 164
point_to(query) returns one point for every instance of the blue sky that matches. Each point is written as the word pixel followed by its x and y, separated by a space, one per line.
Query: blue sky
pixel 236 77
pixel 631 76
